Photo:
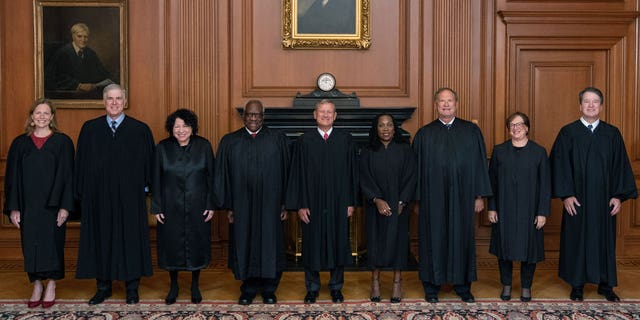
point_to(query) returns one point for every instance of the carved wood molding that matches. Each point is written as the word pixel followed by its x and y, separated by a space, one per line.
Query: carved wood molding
pixel 568 17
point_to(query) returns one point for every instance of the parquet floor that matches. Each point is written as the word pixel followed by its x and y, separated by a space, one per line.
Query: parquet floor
pixel 220 285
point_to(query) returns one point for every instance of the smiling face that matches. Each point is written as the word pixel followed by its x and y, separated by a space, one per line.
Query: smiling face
pixel 590 106
pixel 518 128
pixel 80 38
pixel 253 117
pixel 386 129
pixel 447 105
pixel 114 102
pixel 42 116
pixel 182 132
pixel 325 114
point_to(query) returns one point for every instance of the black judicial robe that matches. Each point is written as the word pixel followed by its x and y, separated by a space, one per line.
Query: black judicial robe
pixel 67 70
pixel 251 177
pixel 38 182
pixel 182 185
pixel 111 174
pixel 452 172
pixel 593 167
pixel 521 183
pixel 324 178
pixel 389 174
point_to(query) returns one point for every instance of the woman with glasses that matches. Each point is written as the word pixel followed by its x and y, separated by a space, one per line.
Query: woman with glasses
pixel 521 181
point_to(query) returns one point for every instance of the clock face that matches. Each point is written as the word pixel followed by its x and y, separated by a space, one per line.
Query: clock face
pixel 326 82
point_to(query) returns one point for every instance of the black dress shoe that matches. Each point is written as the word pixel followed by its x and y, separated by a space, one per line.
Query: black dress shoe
pixel 576 294
pixel 525 295
pixel 132 297
pixel 245 299
pixel 609 295
pixel 269 298
pixel 100 296
pixel 336 296
pixel 311 297
pixel 433 298
pixel 196 296
pixel 467 297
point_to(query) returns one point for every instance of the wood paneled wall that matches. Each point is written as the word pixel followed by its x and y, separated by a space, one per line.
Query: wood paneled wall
pixel 500 55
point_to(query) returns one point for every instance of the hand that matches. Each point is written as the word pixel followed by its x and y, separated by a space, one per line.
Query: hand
pixel 283 214
pixel 401 206
pixel 615 205
pixel 160 217
pixel 570 205
pixel 86 87
pixel 15 218
pixel 63 214
pixel 383 207
pixel 304 215
pixel 230 216
pixel 208 214
pixel 493 216
pixel 350 211
pixel 540 221
pixel 479 205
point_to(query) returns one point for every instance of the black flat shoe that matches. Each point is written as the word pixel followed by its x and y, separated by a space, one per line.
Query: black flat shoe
pixel 196 296
pixel 245 299
pixel 311 297
pixel 336 296
pixel 171 296
pixel 576 294
pixel 432 298
pixel 467 297
pixel 99 297
pixel 505 295
pixel 132 297
pixel 609 295
pixel 269 298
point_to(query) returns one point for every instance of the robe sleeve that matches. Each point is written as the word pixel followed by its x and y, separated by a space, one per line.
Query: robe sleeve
pixel 221 185
pixel 296 187
pixel 561 172
pixel 286 163
pixel 623 182
pixel 12 179
pixel 150 147
pixel 210 166
pixel 409 176
pixel 61 195
pixel 370 188
pixel 417 150
pixel 79 174
pixel 156 181
pixel 353 165
pixel 544 182
pixel 482 186
pixel 493 177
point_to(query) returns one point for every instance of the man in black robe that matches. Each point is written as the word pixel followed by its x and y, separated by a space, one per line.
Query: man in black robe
pixel 452 180
pixel 113 170
pixel 592 175
pixel 323 188
pixel 252 165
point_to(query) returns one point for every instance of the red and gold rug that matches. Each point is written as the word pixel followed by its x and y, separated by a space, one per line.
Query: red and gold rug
pixel 325 310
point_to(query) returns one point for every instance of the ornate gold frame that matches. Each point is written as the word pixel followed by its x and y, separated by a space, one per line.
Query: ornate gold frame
pixel 39 8
pixel 292 39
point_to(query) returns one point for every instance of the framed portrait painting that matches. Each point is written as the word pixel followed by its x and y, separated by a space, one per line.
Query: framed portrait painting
pixel 326 24
pixel 81 47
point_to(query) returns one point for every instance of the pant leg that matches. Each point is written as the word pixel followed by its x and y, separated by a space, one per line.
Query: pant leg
pixel 270 285
pixel 430 288
pixel 312 280
pixel 250 287
pixel 132 285
pixel 336 282
pixel 526 274
pixel 462 288
pixel 103 285
pixel 506 271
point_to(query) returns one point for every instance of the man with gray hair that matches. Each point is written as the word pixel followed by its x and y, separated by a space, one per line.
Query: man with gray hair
pixel 113 171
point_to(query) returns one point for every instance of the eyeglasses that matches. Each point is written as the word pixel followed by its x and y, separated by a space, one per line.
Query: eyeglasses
pixel 516 125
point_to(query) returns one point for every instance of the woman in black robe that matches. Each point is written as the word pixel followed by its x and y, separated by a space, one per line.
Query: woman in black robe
pixel 388 181
pixel 183 202
pixel 521 181
pixel 39 196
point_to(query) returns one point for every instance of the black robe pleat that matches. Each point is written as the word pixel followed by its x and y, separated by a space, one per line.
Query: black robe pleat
pixel 251 177
pixel 389 174
pixel 38 182
pixel 593 167
pixel 110 179
pixel 452 172
pixel 521 183
pixel 324 178
pixel 182 190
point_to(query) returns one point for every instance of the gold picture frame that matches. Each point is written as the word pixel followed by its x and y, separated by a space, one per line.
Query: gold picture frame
pixel 80 47
pixel 326 24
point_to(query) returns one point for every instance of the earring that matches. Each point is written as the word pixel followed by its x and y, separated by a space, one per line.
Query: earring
pixel 32 124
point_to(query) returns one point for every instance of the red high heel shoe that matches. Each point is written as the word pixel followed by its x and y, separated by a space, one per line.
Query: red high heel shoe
pixel 33 304
pixel 48 304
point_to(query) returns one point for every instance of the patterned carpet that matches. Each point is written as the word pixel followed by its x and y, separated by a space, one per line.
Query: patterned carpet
pixel 324 310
